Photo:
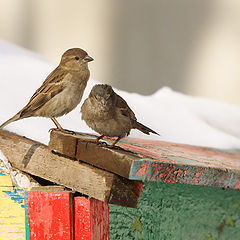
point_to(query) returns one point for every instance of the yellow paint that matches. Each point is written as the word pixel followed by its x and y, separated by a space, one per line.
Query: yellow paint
pixel 137 225
pixel 5 180
pixel 12 215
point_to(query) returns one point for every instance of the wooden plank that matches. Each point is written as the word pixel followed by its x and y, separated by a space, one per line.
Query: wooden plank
pixel 76 146
pixel 91 218
pixel 37 159
pixel 50 215
pixel 12 213
pixel 160 161
pixel 82 223
pixel 99 220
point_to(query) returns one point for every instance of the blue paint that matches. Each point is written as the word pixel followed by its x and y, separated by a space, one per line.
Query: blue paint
pixel 2 173
pixel 17 195
pixel 26 215
pixel 137 165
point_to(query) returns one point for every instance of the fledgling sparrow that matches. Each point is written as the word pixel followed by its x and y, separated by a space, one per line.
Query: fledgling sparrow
pixel 108 114
pixel 62 90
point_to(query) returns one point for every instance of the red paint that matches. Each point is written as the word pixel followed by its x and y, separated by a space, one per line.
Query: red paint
pixel 142 170
pixel 138 190
pixel 237 186
pixel 197 175
pixel 178 173
pixel 82 223
pixel 199 165
pixel 99 220
pixel 182 153
pixel 49 215
pixel 167 174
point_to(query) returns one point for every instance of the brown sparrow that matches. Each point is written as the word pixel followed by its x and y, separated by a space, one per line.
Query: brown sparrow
pixel 62 90
pixel 108 114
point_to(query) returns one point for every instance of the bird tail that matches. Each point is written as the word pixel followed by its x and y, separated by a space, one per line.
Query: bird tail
pixel 143 128
pixel 14 118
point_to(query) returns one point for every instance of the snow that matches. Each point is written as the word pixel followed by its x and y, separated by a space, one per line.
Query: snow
pixel 18 178
pixel 177 117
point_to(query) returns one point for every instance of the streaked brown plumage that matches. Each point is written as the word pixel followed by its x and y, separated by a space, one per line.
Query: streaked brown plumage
pixel 108 114
pixel 62 90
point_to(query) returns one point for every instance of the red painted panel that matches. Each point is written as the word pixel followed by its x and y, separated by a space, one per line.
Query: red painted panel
pixel 82 224
pixel 99 220
pixel 50 215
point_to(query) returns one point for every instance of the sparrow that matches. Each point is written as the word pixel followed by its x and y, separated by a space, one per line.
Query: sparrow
pixel 108 114
pixel 62 90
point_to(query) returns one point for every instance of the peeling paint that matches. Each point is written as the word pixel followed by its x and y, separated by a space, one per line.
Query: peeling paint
pixel 197 175
pixel 142 170
pixel 237 186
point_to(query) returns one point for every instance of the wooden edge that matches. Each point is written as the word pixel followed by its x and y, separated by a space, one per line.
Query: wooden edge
pixel 82 224
pixel 35 158
pixel 169 173
pixel 99 214
pixel 91 219
pixel 48 189
pixel 53 210
pixel 125 192
pixel 78 147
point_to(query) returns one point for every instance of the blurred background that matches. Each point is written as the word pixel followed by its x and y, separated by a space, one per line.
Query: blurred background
pixel 138 45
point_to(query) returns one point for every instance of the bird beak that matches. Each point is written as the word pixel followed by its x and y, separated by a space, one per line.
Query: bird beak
pixel 103 102
pixel 88 59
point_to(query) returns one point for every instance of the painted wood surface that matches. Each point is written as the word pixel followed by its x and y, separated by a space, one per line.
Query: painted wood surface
pixel 159 161
pixel 37 159
pixel 91 218
pixel 82 225
pixel 99 220
pixel 49 215
pixel 12 211
pixel 179 212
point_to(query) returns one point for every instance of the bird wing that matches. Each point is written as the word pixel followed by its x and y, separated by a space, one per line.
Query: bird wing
pixel 52 86
pixel 124 109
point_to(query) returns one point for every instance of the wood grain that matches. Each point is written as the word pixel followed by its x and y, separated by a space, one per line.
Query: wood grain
pixel 37 159
pixel 78 147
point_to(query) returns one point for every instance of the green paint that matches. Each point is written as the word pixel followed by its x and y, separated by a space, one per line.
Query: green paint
pixel 179 211
pixel 26 216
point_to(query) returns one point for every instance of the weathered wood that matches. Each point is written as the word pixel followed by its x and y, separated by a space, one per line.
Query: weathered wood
pixel 37 159
pixel 78 147
pixel 91 219
pixel 160 161
pixel 82 223
pixel 99 220
pixel 49 215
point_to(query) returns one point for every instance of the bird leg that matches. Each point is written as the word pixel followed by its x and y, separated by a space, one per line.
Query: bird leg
pixel 114 143
pixel 97 140
pixel 56 123
pixel 59 127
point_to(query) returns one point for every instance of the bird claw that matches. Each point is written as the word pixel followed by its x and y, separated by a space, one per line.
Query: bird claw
pixel 102 143
pixel 62 130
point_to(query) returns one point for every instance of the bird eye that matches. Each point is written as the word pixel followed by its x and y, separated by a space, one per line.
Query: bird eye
pixel 77 58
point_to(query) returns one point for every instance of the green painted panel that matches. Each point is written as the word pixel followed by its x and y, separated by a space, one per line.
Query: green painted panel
pixel 179 211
